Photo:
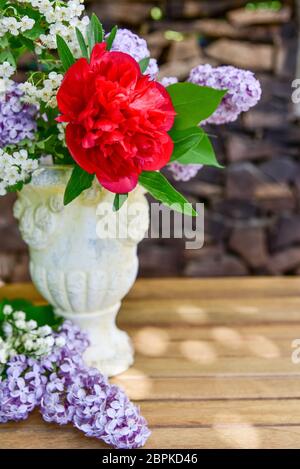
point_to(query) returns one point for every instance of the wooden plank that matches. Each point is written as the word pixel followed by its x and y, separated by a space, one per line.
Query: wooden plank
pixel 227 437
pixel 228 335
pixel 195 310
pixel 37 434
pixel 180 288
pixel 206 413
pixel 25 291
pixel 141 387
pixel 209 365
pixel 269 349
pixel 248 287
pixel 256 345
pixel 210 312
pixel 34 433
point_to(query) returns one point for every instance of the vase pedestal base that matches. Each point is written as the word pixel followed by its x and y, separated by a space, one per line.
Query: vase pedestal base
pixel 111 351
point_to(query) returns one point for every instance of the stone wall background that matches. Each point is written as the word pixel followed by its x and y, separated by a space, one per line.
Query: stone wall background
pixel 252 208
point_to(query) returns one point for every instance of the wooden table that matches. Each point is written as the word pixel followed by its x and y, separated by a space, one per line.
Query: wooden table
pixel 213 366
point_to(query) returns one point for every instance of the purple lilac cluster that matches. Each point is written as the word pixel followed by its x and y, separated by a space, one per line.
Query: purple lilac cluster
pixel 167 81
pixel 17 119
pixel 130 43
pixel 244 90
pixel 22 389
pixel 68 391
pixel 184 172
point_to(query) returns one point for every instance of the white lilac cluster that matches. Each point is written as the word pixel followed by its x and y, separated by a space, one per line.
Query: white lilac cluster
pixel 62 18
pixel 61 126
pixel 129 43
pixel 6 72
pixel 24 337
pixel 14 168
pixel 33 94
pixel 14 26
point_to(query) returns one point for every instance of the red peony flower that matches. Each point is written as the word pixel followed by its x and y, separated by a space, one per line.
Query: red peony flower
pixel 117 119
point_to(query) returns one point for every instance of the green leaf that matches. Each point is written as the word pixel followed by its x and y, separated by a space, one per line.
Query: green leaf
pixel 61 155
pixel 43 315
pixel 82 44
pixel 94 32
pixel 119 200
pixel 97 29
pixel 144 64
pixel 29 44
pixel 47 144
pixel 160 188
pixel 203 153
pixel 193 103
pixel 79 181
pixel 185 140
pixel 16 187
pixel 111 37
pixel 7 56
pixel 4 41
pixel 90 38
pixel 64 53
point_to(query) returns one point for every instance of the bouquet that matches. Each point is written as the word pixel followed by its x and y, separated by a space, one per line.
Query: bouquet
pixel 92 99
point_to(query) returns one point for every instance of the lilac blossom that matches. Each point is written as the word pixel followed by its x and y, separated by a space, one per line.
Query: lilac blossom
pixel 53 405
pixel 67 390
pixel 104 411
pixel 244 90
pixel 152 69
pixel 17 119
pixel 184 172
pixel 82 395
pixel 22 389
pixel 167 81
pixel 124 427
pixel 130 43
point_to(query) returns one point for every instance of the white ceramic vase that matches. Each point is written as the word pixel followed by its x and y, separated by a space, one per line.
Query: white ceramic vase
pixel 83 257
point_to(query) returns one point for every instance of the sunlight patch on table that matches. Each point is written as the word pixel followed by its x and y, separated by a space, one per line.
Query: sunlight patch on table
pixel 247 309
pixel 191 313
pixel 151 341
pixel 236 432
pixel 262 346
pixel 136 384
pixel 227 337
pixel 198 351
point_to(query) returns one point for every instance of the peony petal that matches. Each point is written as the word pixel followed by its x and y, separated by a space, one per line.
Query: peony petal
pixel 167 105
pixel 82 156
pixel 121 186
pixel 74 91
pixel 115 66
pixel 157 101
pixel 158 159
pixel 97 54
